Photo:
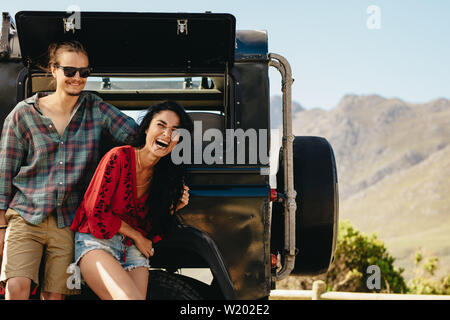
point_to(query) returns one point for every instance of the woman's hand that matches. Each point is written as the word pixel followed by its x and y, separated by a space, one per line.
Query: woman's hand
pixel 145 246
pixel 142 243
pixel 184 198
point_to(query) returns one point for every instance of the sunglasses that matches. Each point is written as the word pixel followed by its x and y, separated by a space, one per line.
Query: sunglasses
pixel 72 71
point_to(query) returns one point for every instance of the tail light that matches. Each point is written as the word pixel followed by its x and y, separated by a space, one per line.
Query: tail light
pixel 274 261
pixel 273 195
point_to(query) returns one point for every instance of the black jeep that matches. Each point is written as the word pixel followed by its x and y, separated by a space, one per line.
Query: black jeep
pixel 250 221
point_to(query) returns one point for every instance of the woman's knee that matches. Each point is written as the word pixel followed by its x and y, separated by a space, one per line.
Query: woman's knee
pixel 107 278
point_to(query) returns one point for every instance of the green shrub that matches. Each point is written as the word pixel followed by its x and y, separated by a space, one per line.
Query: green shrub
pixel 355 252
pixel 424 281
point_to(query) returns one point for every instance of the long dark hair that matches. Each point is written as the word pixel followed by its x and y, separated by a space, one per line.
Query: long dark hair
pixel 166 187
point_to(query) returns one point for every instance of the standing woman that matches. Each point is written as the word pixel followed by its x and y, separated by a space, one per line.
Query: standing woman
pixel 129 205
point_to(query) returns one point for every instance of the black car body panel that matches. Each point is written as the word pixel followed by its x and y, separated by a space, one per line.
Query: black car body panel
pixel 134 42
pixel 189 246
pixel 9 72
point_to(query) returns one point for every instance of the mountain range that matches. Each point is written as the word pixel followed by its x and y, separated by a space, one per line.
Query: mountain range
pixel 393 163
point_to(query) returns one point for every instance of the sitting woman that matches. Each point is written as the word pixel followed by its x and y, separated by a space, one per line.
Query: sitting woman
pixel 129 204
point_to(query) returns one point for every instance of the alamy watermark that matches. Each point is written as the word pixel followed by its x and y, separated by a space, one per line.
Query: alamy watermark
pixel 74 20
pixel 374 19
pixel 237 147
pixel 73 281
pixel 374 280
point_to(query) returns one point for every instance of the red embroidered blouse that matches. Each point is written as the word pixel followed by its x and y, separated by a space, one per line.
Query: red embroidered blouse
pixel 112 197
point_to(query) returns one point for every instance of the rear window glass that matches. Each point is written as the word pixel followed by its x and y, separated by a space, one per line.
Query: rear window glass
pixel 123 84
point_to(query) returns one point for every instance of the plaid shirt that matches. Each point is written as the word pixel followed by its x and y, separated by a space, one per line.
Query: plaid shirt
pixel 40 170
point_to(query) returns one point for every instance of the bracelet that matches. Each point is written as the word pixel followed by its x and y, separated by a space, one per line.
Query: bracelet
pixel 3 226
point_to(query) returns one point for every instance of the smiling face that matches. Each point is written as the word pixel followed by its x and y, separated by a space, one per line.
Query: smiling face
pixel 159 133
pixel 74 85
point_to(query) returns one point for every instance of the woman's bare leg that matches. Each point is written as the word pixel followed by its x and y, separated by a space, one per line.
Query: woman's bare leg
pixel 140 279
pixel 106 277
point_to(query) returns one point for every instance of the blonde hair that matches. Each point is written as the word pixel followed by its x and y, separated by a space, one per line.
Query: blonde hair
pixel 55 50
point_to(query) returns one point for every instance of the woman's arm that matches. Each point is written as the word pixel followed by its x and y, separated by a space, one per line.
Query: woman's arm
pixel 142 243
pixel 96 204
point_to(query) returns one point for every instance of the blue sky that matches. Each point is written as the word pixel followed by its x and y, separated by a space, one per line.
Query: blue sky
pixel 331 50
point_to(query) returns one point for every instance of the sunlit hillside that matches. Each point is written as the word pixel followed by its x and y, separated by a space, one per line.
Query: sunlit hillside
pixel 393 167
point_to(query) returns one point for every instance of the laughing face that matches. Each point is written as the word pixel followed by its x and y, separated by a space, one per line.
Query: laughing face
pixel 70 85
pixel 160 138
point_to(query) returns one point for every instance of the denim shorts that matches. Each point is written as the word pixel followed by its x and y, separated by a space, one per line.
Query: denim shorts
pixel 85 242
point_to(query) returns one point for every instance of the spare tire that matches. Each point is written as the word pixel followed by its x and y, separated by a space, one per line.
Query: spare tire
pixel 316 184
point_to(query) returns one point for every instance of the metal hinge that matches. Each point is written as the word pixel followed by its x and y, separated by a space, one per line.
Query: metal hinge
pixel 73 21
pixel 69 24
pixel 9 39
pixel 4 36
pixel 182 26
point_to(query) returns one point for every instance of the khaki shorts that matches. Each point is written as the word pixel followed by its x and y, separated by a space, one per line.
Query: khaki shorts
pixel 24 245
